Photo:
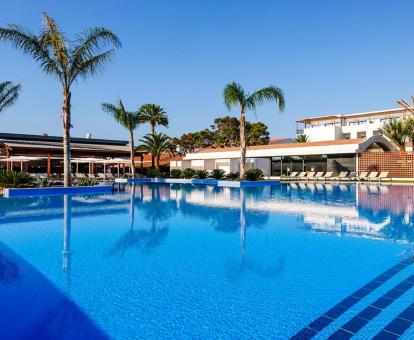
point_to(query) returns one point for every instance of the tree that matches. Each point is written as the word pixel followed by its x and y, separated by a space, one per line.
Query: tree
pixel 302 138
pixel 129 120
pixel 156 144
pixel 9 94
pixel 256 133
pixel 397 130
pixel 226 131
pixel 154 115
pixel 234 95
pixel 65 60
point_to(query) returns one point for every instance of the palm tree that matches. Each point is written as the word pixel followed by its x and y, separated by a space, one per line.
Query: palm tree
pixel 156 144
pixel 302 138
pixel 397 130
pixel 65 60
pixel 9 94
pixel 234 95
pixel 154 115
pixel 129 120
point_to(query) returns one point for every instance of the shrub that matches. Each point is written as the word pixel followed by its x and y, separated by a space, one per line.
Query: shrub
pixel 175 173
pixel 154 173
pixel 218 173
pixel 233 176
pixel 87 182
pixel 188 173
pixel 14 179
pixel 253 175
pixel 42 182
pixel 201 174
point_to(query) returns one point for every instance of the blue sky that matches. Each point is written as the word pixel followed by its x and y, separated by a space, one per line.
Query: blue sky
pixel 327 56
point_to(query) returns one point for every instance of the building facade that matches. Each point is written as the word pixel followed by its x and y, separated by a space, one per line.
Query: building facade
pixel 351 126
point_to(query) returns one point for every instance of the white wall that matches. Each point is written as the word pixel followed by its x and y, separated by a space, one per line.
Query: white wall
pixel 323 133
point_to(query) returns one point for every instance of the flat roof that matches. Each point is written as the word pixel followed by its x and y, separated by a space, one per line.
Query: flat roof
pixel 44 138
pixel 352 115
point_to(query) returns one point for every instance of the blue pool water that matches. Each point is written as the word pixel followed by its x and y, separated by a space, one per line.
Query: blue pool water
pixel 182 261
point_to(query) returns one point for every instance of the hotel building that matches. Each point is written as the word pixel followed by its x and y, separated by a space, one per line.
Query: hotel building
pixel 336 141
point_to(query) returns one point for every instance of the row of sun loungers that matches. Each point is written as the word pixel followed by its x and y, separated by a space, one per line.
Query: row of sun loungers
pixel 99 176
pixel 342 176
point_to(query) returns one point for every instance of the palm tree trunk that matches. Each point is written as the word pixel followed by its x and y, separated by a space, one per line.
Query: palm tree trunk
pixel 67 169
pixel 157 163
pixel 242 145
pixel 152 157
pixel 131 143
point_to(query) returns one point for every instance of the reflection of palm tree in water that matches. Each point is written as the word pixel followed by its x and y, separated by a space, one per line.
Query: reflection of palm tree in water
pixel 67 225
pixel 145 240
pixel 236 269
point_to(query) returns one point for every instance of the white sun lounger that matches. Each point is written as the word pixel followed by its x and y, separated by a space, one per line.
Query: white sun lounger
pixel 310 175
pixel 382 175
pixel 318 175
pixel 341 176
pixel 293 175
pixel 327 175
pixel 372 175
pixel 362 176
pixel 302 175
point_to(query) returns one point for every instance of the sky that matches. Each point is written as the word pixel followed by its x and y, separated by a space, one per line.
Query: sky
pixel 329 57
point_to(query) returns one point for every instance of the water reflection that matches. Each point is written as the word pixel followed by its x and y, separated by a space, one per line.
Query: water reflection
pixel 66 252
pixel 143 238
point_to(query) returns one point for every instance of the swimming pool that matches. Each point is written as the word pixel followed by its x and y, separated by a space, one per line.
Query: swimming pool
pixel 183 261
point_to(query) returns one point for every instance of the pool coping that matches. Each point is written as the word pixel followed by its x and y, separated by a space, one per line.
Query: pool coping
pixel 21 192
pixel 213 182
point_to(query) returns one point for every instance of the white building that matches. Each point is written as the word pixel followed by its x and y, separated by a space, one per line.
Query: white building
pixel 351 126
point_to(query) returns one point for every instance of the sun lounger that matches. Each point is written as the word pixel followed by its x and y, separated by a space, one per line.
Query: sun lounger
pixel 362 176
pixel 293 175
pixel 328 175
pixel 372 175
pixel 341 176
pixel 382 175
pixel 101 176
pixel 109 176
pixel 80 175
pixel 302 175
pixel 318 175
pixel 310 175
pixel 92 176
pixel 352 176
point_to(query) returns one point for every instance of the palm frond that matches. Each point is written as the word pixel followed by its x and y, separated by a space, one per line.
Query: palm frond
pixel 92 66
pixel 9 94
pixel 270 93
pixel 128 119
pixel 32 45
pixel 154 115
pixel 233 95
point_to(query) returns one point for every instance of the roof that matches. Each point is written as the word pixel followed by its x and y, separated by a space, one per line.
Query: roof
pixel 147 160
pixel 43 138
pixel 280 140
pixel 48 145
pixel 344 146
pixel 353 115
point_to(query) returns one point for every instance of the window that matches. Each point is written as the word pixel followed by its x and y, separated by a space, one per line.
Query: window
pixel 346 136
pixel 361 134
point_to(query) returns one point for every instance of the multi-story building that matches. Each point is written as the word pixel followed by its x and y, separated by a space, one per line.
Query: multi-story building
pixel 350 126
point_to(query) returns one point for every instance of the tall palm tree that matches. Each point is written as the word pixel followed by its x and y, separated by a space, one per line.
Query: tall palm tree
pixel 9 94
pixel 397 130
pixel 129 120
pixel 302 138
pixel 154 115
pixel 234 95
pixel 65 60
pixel 156 144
